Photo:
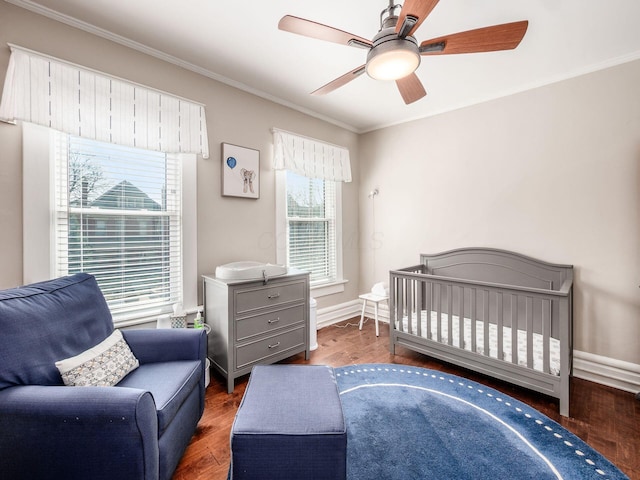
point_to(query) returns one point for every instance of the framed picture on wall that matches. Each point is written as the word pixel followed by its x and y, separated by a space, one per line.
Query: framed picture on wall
pixel 240 171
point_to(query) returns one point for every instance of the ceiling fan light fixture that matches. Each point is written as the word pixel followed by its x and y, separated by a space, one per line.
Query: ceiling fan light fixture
pixel 393 65
pixel 392 58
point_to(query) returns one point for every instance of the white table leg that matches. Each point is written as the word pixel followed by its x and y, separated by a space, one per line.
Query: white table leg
pixel 364 305
pixel 376 315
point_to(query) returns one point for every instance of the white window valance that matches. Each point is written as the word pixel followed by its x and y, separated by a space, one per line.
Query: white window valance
pixel 90 104
pixel 309 157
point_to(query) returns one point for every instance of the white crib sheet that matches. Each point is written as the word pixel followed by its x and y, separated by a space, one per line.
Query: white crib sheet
pixel 554 344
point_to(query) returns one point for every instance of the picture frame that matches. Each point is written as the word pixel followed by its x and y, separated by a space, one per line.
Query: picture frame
pixel 240 171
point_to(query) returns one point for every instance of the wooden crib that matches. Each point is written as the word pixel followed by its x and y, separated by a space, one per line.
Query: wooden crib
pixel 492 311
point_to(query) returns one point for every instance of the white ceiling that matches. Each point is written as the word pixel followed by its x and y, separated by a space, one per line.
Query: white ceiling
pixel 238 42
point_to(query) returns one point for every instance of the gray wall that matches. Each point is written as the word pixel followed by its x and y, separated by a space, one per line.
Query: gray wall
pixel 552 173
pixel 229 229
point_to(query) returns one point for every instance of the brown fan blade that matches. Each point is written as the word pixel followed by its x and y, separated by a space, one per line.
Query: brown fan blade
pixel 410 88
pixel 340 81
pixel 317 30
pixel 419 9
pixel 487 39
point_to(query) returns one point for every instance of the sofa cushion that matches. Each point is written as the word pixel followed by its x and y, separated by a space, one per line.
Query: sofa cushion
pixel 170 383
pixel 101 366
pixel 63 317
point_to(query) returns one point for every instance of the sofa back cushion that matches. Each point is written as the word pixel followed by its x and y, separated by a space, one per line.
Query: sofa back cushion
pixel 49 321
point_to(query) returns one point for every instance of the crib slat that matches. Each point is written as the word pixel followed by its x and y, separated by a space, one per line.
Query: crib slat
pixel 429 308
pixel 400 306
pixel 500 325
pixel 409 299
pixel 415 306
pixel 450 315
pixel 529 310
pixel 418 311
pixel 461 317
pixel 514 329
pixel 485 320
pixel 407 308
pixel 546 333
pixel 439 314
pixel 473 320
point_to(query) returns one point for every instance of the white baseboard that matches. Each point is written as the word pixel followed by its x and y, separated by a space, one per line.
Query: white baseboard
pixel 606 371
pixel 338 313
pixel 344 311
pixel 587 366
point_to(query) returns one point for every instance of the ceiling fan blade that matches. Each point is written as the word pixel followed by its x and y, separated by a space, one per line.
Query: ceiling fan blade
pixel 487 39
pixel 419 9
pixel 340 81
pixel 411 88
pixel 308 28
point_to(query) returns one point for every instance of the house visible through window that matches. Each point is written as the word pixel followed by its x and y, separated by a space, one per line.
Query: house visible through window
pixel 311 237
pixel 118 216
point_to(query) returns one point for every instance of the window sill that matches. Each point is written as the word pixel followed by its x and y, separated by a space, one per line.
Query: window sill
pixel 150 320
pixel 328 288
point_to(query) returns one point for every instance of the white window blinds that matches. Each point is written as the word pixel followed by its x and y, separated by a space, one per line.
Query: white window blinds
pixel 310 158
pixel 311 226
pixel 118 216
pixel 89 104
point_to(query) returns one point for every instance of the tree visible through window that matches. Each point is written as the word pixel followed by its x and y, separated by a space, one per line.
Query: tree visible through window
pixel 119 218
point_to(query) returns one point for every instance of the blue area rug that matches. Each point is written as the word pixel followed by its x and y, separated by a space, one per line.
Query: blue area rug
pixel 412 423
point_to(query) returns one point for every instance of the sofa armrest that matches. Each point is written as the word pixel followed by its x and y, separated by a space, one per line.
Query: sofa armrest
pixel 78 432
pixel 166 345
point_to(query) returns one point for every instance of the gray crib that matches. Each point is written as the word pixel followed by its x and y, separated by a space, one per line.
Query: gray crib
pixel 492 311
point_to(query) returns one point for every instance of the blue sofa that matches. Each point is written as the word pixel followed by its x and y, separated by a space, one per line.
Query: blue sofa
pixel 137 429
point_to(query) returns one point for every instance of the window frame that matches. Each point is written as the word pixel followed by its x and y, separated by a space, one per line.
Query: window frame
pixel 317 290
pixel 39 261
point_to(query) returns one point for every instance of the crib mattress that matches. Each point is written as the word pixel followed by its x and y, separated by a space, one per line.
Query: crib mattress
pixel 554 344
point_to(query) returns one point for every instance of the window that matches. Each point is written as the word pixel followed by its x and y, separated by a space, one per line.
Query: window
pixel 310 227
pixel 118 217
pixel 117 213
pixel 309 177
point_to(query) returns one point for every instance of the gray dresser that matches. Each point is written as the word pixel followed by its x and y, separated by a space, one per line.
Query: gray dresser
pixel 253 322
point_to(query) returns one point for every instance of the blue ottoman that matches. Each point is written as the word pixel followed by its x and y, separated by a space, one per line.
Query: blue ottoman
pixel 289 425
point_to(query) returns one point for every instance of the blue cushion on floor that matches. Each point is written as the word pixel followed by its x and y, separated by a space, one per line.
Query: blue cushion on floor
pixel 169 383
pixel 289 425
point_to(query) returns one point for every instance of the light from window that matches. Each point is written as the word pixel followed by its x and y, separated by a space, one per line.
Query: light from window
pixel 311 226
pixel 118 217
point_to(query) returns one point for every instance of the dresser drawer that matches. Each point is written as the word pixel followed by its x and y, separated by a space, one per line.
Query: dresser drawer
pixel 266 322
pixel 262 297
pixel 261 350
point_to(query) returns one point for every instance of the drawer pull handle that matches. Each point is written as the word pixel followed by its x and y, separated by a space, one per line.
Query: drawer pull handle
pixel 274 320
pixel 273 295
pixel 274 345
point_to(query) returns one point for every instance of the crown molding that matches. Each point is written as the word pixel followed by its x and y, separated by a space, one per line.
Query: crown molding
pixel 106 34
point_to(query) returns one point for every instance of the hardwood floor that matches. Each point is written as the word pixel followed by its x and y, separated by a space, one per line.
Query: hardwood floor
pixel 606 418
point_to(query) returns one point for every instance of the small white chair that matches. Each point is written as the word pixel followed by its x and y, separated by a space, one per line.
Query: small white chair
pixel 376 299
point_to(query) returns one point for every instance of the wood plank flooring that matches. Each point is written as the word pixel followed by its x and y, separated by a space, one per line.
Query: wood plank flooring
pixel 606 418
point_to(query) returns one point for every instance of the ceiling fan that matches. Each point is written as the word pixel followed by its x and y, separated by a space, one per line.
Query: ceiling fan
pixel 394 53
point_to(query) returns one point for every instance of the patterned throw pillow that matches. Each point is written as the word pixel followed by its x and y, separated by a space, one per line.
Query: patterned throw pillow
pixel 101 366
